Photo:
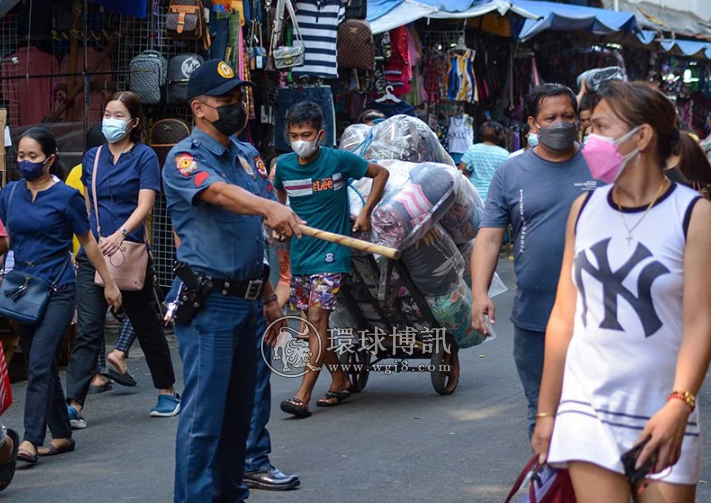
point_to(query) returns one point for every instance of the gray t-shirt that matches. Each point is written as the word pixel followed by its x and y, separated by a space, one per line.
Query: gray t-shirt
pixel 535 196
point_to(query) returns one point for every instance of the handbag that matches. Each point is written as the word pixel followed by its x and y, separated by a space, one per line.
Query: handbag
pixel 186 20
pixel 129 264
pixel 288 56
pixel 356 48
pixel 548 485
pixel 24 297
pixel 357 9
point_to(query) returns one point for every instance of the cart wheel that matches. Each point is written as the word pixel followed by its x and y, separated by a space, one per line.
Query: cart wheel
pixel 358 379
pixel 446 382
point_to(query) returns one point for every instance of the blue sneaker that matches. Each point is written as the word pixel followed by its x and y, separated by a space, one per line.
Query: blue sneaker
pixel 76 420
pixel 167 406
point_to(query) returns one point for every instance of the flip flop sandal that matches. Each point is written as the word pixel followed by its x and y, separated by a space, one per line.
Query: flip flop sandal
pixel 31 460
pixel 95 390
pixel 295 407
pixel 125 379
pixel 53 451
pixel 332 395
pixel 7 469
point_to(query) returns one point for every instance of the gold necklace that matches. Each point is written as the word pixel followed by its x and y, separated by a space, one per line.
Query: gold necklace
pixel 622 214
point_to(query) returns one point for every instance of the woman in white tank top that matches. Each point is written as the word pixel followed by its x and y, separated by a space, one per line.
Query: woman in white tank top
pixel 629 339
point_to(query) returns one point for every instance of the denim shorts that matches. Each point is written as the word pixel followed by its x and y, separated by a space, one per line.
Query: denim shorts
pixel 290 96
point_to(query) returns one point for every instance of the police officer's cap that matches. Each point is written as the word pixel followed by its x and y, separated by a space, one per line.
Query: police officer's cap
pixel 214 78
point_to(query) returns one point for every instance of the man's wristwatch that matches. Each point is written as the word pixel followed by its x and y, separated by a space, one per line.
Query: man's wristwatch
pixel 123 231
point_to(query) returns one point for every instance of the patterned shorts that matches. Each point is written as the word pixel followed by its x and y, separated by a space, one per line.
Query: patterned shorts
pixel 315 290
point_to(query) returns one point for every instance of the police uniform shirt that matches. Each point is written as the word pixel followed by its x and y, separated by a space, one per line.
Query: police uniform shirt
pixel 214 240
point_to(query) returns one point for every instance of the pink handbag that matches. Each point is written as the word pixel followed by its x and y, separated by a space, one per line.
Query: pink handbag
pixel 129 264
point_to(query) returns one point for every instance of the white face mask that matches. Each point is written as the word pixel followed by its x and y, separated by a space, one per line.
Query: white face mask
pixel 305 148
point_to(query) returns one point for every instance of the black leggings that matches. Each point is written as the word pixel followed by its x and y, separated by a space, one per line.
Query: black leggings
pixel 144 314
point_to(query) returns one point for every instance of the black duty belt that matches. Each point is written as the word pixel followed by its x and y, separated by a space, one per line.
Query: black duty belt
pixel 249 290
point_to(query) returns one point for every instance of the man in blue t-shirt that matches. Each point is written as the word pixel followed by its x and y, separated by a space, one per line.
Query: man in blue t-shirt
pixel 533 192
pixel 314 178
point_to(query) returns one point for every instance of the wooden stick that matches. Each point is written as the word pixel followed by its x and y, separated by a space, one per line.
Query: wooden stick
pixel 356 244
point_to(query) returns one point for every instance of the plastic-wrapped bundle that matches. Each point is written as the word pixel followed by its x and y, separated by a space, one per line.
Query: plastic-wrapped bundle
pixel 405 215
pixel 359 190
pixel 400 137
pixel 466 251
pixel 454 312
pixel 434 263
pixel 463 219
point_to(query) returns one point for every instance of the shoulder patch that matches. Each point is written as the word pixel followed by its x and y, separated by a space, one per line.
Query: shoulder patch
pixel 245 165
pixel 185 164
pixel 261 167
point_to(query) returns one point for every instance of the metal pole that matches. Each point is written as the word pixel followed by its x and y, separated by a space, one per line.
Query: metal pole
pixel 616 5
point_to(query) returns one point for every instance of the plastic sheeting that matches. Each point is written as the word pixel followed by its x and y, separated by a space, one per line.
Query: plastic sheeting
pixel 401 137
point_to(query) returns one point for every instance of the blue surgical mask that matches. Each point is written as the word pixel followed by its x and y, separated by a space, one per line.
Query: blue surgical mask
pixel 31 170
pixel 532 139
pixel 114 129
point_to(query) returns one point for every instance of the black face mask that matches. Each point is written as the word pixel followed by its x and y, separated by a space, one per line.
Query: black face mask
pixel 232 119
pixel 559 136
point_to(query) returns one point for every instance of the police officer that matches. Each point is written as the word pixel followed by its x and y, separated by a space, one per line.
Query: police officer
pixel 217 215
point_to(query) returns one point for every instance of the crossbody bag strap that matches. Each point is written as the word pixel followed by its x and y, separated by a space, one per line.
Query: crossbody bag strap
pixel 278 25
pixel 7 213
pixel 61 272
pixel 292 15
pixel 93 189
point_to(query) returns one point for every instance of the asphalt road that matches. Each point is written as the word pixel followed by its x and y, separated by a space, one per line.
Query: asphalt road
pixel 397 441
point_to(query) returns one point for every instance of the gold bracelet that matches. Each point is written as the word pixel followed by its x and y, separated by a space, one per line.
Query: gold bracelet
pixel 685 396
pixel 545 414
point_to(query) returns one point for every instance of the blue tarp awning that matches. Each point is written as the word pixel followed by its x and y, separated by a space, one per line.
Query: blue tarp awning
pixel 563 17
pixel 698 49
pixel 384 15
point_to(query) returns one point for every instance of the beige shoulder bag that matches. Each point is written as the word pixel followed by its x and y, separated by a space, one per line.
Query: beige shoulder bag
pixel 129 264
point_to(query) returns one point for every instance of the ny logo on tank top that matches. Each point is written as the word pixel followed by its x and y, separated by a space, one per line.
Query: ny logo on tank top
pixel 612 286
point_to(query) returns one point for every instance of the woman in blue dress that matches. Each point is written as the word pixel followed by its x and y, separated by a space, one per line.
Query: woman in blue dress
pixel 41 218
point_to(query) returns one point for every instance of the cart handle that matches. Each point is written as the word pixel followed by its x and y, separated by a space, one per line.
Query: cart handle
pixel 356 244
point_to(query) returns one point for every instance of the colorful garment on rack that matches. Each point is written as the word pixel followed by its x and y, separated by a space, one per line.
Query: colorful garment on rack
pixel 97 97
pixel 433 74
pixel 29 100
pixel 461 78
pixel 318 22
pixel 398 71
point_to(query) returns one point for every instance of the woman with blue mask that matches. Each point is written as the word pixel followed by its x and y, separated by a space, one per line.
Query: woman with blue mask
pixel 41 213
pixel 124 191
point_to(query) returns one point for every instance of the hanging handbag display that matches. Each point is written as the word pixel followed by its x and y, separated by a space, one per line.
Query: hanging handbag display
pixel 24 297
pixel 548 485
pixel 356 48
pixel 179 70
pixel 288 56
pixel 165 134
pixel 129 264
pixel 357 9
pixel 147 76
pixel 186 20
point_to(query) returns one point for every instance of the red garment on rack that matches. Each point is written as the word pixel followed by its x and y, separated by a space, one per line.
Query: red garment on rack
pixel 31 99
pixel 97 98
pixel 398 72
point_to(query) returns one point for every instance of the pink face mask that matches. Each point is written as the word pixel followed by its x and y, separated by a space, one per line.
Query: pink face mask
pixel 603 157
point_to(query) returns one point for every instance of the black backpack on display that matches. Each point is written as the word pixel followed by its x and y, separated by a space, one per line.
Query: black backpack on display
pixel 179 70
pixel 148 72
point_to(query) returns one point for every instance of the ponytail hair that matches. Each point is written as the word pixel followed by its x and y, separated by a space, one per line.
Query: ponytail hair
pixel 693 164
pixel 49 146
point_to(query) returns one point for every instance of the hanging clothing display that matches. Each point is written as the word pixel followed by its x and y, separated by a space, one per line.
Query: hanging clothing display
pixel 318 22
pixel 98 97
pixel 391 108
pixel 33 98
pixel 398 71
pixel 461 78
pixel 460 135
